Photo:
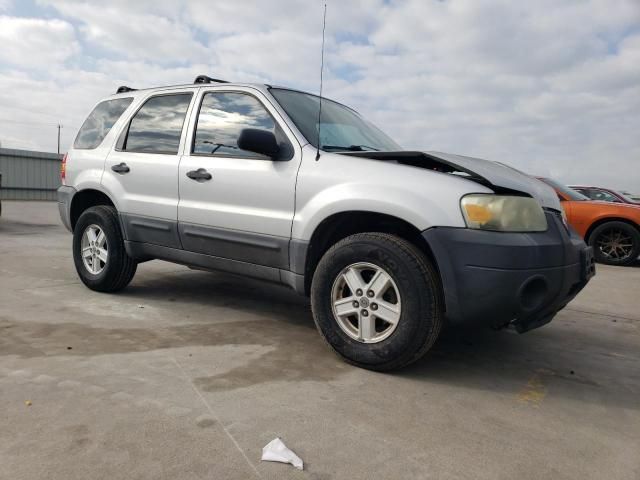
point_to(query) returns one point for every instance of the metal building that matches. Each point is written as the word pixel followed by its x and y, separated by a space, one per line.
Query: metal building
pixel 29 175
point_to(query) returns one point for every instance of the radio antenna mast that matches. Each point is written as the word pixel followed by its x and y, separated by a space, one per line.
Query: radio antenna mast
pixel 324 24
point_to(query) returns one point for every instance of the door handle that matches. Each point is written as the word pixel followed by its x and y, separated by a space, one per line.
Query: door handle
pixel 200 175
pixel 121 168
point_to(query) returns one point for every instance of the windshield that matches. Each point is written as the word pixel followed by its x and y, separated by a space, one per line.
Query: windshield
pixel 341 129
pixel 566 191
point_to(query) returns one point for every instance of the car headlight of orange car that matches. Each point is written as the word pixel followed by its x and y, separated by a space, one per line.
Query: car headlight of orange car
pixel 503 213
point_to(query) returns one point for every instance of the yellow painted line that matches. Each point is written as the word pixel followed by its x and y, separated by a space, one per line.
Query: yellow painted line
pixel 534 391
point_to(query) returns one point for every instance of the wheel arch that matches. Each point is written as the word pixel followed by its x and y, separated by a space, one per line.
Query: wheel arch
pixel 343 224
pixel 602 221
pixel 87 198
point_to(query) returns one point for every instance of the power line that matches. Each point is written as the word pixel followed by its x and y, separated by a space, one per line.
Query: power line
pixel 6 120
pixel 32 111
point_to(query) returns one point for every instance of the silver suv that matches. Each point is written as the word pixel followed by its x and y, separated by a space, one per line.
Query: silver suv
pixel 255 180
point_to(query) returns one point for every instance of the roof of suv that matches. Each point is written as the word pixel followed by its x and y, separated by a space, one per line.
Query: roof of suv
pixel 200 80
pixel 203 80
pixel 128 91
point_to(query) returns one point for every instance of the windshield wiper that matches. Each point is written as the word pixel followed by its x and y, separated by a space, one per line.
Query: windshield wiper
pixel 350 148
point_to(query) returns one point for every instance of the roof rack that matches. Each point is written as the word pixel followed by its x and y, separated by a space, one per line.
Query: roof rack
pixel 206 79
pixel 124 89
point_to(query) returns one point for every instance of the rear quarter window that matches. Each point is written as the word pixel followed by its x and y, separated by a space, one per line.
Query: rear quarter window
pixel 99 122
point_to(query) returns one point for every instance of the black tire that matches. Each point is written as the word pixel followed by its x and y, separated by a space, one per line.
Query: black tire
pixel 419 286
pixel 119 268
pixel 627 231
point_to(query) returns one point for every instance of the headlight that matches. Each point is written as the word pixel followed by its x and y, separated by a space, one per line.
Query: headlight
pixel 503 213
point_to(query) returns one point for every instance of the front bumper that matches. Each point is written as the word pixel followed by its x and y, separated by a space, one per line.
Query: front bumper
pixel 65 194
pixel 499 278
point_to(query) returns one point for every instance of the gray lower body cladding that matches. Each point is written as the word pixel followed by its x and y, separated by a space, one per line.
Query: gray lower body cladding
pixel 196 260
pixel 244 246
pixel 498 278
pixel 65 195
pixel 156 231
pixel 200 261
pixel 247 247
pixel 209 248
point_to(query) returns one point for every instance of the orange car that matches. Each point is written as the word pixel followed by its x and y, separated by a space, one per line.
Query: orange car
pixel 612 229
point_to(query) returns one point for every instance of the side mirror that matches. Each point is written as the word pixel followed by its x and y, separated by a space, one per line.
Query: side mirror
pixel 259 141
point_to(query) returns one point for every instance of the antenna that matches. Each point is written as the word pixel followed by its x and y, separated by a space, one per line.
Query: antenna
pixel 324 24
pixel 59 127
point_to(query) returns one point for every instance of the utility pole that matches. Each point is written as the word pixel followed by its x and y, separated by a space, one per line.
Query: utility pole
pixel 59 127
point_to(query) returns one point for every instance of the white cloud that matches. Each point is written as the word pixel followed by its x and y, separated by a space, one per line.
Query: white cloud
pixel 549 86
pixel 127 30
pixel 36 43
pixel 546 86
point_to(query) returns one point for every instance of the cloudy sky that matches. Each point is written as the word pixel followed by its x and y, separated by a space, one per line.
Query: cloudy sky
pixel 549 86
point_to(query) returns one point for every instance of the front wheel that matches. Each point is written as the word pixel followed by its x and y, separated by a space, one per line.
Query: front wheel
pixel 615 243
pixel 376 301
pixel 99 255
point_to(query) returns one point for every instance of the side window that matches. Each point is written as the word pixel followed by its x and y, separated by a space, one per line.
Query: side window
pixel 603 196
pixel 593 194
pixel 222 118
pixel 157 126
pixel 99 122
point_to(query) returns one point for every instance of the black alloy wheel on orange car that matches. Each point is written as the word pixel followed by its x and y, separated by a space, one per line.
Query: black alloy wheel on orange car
pixel 615 243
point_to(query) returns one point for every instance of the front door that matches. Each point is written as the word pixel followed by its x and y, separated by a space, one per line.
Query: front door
pixel 142 170
pixel 234 203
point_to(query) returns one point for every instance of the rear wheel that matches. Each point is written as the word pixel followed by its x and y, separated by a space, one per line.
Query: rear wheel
pixel 99 255
pixel 376 301
pixel 615 243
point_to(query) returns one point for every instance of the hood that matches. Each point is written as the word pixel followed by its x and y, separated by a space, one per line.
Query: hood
pixel 499 177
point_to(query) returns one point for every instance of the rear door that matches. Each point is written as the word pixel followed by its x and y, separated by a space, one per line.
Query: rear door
pixel 142 170
pixel 244 210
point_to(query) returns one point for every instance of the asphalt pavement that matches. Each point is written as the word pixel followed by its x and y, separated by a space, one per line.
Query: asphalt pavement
pixel 188 374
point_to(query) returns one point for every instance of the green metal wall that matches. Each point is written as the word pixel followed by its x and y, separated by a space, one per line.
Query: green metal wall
pixel 28 175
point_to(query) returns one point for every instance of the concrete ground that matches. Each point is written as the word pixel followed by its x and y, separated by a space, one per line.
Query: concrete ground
pixel 188 374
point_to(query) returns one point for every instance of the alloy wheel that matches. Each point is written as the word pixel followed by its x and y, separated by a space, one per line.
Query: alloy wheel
pixel 366 302
pixel 95 252
pixel 615 244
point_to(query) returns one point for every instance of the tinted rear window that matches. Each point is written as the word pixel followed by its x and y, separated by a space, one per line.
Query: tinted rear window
pixel 99 122
pixel 157 126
